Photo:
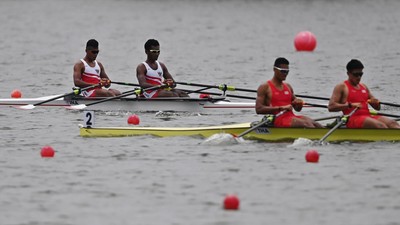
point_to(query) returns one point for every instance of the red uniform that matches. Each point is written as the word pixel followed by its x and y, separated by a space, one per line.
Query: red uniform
pixel 357 95
pixel 282 98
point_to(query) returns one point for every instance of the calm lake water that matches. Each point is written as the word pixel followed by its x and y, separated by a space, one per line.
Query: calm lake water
pixel 147 180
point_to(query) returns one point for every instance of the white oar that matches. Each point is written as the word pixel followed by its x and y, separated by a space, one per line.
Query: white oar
pixel 75 92
pixel 137 91
pixel 342 121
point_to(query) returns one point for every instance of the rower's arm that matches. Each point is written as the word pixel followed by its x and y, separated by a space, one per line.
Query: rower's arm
pixel 374 102
pixel 77 76
pixel 337 101
pixel 263 101
pixel 141 76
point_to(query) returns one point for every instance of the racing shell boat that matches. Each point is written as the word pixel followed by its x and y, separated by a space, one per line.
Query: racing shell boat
pixel 200 105
pixel 262 133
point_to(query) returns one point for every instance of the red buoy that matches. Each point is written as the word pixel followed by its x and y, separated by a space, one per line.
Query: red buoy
pixel 47 152
pixel 305 41
pixel 312 156
pixel 231 202
pixel 133 119
pixel 16 94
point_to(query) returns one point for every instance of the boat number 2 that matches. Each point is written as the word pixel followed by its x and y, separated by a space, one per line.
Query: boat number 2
pixel 88 118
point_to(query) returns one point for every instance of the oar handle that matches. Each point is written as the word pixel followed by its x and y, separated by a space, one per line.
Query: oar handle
pixel 373 112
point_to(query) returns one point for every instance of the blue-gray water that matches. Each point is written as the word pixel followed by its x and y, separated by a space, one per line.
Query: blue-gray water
pixel 147 180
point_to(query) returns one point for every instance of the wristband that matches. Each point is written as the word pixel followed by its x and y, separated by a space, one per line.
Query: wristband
pixel 349 105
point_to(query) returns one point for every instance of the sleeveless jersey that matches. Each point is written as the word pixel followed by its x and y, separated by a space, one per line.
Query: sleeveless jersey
pixel 281 98
pixel 91 75
pixel 357 95
pixel 154 77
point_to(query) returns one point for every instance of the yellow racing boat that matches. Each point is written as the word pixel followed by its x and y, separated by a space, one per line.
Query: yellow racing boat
pixel 263 133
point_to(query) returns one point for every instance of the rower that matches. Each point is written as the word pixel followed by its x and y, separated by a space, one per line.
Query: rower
pixel 89 71
pixel 152 72
pixel 352 94
pixel 275 96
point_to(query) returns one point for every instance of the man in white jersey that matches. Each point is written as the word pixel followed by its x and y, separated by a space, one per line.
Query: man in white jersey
pixel 153 73
pixel 88 71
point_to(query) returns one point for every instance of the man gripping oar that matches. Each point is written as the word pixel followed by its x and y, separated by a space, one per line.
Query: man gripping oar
pixel 276 95
pixel 89 71
pixel 352 94
pixel 154 73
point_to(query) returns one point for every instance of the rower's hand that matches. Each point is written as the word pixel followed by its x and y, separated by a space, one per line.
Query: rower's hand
pixel 170 83
pixel 104 82
pixel 77 90
pixel 286 108
pixel 297 104
pixel 355 105
pixel 374 103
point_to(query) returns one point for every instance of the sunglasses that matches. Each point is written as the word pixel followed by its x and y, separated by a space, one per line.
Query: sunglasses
pixel 359 74
pixel 95 51
pixel 154 51
pixel 284 71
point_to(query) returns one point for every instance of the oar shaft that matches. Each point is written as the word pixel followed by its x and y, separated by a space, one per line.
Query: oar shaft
pixel 124 83
pixel 127 94
pixel 213 93
pixel 75 92
pixel 316 105
pixel 390 104
pixel 269 119
pixel 343 120
pixel 312 97
pixel 222 87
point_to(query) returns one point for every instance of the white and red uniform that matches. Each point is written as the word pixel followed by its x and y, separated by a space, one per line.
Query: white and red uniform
pixel 154 77
pixel 281 98
pixel 91 75
pixel 357 95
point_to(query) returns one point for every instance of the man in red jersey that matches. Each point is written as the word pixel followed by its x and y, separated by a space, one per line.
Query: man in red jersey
pixel 352 94
pixel 275 95
pixel 88 71
pixel 153 73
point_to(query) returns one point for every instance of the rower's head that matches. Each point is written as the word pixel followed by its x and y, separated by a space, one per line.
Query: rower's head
pixel 152 49
pixel 281 68
pixel 355 69
pixel 92 49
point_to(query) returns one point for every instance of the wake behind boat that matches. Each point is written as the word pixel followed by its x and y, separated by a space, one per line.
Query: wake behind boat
pixel 196 105
pixel 268 134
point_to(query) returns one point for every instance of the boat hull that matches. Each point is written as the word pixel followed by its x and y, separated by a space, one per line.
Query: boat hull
pixel 268 134
pixel 199 105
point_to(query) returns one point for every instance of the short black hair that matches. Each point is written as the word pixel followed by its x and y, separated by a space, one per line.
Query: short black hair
pixel 92 43
pixel 354 64
pixel 280 61
pixel 149 43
